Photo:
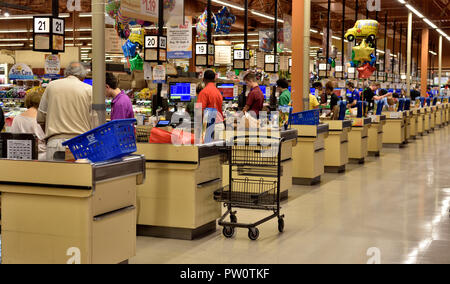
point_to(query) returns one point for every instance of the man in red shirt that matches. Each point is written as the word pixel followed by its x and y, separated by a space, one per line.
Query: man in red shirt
pixel 255 99
pixel 210 96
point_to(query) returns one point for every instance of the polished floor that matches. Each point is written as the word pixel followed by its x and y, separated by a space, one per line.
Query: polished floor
pixel 393 209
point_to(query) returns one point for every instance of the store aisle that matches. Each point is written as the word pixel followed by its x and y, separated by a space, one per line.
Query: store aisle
pixel 397 205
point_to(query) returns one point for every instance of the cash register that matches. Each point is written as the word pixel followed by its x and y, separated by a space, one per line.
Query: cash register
pixel 180 94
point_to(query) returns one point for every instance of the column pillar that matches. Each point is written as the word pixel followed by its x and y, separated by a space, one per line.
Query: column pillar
pixel 98 60
pixel 440 63
pixel 424 62
pixel 409 56
pixel 301 10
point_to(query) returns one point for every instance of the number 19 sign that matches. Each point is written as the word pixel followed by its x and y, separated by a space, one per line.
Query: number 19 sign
pixel 48 34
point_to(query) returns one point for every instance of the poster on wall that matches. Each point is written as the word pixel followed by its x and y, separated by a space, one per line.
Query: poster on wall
pixel 52 64
pixel 180 40
pixel 21 71
pixel 287 32
pixel 266 40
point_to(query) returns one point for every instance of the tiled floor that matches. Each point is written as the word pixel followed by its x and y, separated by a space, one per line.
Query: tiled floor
pixel 397 205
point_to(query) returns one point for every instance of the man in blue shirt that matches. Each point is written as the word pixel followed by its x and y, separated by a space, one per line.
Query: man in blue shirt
pixel 353 97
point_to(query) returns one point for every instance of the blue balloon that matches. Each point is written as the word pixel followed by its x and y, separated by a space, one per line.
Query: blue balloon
pixel 129 49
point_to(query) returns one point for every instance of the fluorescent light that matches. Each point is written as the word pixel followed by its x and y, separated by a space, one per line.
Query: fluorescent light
pixel 256 13
pixel 229 5
pixel 11 44
pixel 430 23
pixel 418 14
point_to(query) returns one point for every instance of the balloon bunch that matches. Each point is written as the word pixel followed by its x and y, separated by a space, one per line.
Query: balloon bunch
pixel 224 21
pixel 364 59
pixel 202 25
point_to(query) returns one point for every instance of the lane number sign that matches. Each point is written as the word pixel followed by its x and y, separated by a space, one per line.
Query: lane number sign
pixel 42 25
pixel 58 26
pixel 151 42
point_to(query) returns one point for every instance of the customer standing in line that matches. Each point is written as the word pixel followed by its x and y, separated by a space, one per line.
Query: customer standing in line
pixel 255 99
pixel 121 106
pixel 65 110
pixel 26 122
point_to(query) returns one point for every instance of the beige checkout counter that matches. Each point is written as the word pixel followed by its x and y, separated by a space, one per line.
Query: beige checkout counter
pixel 427 121
pixel 407 117
pixel 394 129
pixel 59 212
pixel 414 115
pixel 433 111
pixel 290 141
pixel 336 145
pixel 420 120
pixel 376 135
pixel 177 199
pixel 358 140
pixel 439 116
pixel 309 154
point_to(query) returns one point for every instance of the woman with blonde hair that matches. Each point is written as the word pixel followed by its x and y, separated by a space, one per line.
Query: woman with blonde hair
pixel 26 123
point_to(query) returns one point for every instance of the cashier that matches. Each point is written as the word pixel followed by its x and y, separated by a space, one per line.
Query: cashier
pixel 121 106
pixel 353 97
pixel 369 95
pixel 283 88
pixel 210 96
pixel 255 100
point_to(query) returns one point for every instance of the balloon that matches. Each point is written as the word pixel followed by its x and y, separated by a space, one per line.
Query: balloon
pixel 136 63
pixel 363 52
pixel 129 49
pixel 366 71
pixel 202 26
pixel 373 62
pixel 112 7
pixel 224 21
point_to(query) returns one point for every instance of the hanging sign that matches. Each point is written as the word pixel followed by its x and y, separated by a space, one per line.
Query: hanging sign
pixel 146 10
pixel 113 43
pixel 204 54
pixel 48 34
pixel 155 48
pixel 159 74
pixel 180 40
pixel 223 54
pixel 52 64
pixel 374 5
pixel 21 71
pixel 174 12
pixel 270 64
pixel 74 5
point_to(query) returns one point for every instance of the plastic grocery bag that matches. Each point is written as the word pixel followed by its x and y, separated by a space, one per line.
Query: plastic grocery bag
pixel 176 137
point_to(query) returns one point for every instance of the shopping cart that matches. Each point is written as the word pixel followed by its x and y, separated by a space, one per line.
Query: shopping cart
pixel 254 173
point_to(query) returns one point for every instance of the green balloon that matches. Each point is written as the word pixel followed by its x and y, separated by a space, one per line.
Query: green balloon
pixel 137 63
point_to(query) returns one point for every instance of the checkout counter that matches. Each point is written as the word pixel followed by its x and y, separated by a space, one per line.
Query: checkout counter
pixel 336 145
pixel 177 199
pixel 413 123
pixel 395 129
pixel 66 212
pixel 420 121
pixel 309 154
pixel 376 135
pixel 427 121
pixel 358 140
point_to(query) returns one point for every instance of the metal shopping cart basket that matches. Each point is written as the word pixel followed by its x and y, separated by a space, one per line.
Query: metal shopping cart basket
pixel 254 173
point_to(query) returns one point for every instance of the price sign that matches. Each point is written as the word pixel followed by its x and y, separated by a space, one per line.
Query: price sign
pixel 151 42
pixel 239 54
pixel 200 49
pixel 42 25
pixel 58 26
pixel 270 59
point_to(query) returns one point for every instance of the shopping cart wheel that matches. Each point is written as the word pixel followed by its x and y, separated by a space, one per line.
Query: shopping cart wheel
pixel 228 232
pixel 233 218
pixel 281 225
pixel 253 234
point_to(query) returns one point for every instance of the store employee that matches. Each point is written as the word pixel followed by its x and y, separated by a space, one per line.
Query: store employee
pixel 369 95
pixel 283 88
pixel 255 100
pixel 353 97
pixel 210 96
pixel 121 106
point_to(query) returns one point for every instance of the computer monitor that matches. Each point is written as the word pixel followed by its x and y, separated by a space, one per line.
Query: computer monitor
pixel 88 81
pixel 264 90
pixel 182 92
pixel 227 91
pixel 312 91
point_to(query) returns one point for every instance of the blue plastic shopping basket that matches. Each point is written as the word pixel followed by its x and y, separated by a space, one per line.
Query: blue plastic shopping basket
pixel 113 140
